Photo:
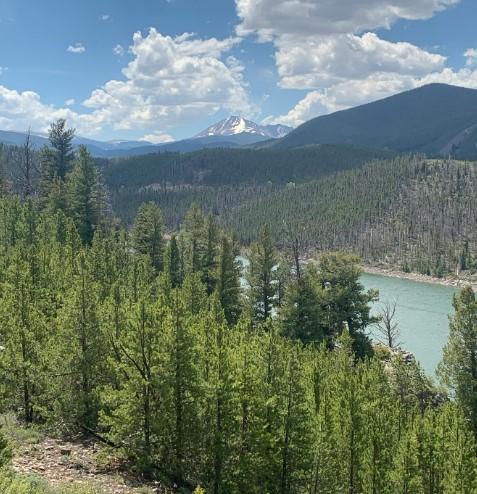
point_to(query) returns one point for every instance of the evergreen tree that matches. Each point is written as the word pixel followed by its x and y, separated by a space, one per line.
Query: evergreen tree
pixel 83 201
pixel 228 281
pixel 195 241
pixel 458 368
pixel 79 352
pixel 343 300
pixel 261 277
pixel 301 315
pixel 210 254
pixel 173 263
pixel 148 234
pixel 61 140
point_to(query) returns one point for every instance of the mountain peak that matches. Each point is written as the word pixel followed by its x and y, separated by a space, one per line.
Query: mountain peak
pixel 235 124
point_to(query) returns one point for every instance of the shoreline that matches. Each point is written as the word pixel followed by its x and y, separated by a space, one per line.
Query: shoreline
pixel 450 281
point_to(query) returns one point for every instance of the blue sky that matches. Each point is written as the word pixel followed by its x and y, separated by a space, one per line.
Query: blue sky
pixel 165 69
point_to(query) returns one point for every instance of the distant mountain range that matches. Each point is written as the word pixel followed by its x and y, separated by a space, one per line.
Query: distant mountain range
pixel 436 119
pixel 232 132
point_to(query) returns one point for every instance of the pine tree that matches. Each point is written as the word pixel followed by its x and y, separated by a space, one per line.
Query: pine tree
pixel 61 140
pixel 210 254
pixel 173 263
pixel 301 314
pixel 261 277
pixel 83 203
pixel 344 301
pixel 24 337
pixel 228 281
pixel 148 234
pixel 458 368
pixel 195 241
pixel 78 350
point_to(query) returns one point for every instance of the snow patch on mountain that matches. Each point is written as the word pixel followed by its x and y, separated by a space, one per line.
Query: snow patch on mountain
pixel 238 125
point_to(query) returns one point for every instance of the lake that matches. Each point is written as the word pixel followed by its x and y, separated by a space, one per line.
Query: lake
pixel 422 312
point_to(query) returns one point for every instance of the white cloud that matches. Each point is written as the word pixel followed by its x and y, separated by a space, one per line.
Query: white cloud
pixel 157 138
pixel 21 110
pixel 104 17
pixel 355 92
pixel 76 48
pixel 172 79
pixel 70 102
pixel 271 18
pixel 326 46
pixel 169 81
pixel 314 63
pixel 119 50
pixel 471 57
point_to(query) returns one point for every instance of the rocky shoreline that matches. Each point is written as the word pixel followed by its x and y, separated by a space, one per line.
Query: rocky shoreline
pixel 451 281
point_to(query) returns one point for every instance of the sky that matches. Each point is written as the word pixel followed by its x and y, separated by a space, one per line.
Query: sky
pixel 161 70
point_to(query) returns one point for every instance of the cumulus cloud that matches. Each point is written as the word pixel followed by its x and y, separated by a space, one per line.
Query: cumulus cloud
pixel 271 18
pixel 169 81
pixel 76 48
pixel 312 63
pixel 327 47
pixel 22 110
pixel 70 102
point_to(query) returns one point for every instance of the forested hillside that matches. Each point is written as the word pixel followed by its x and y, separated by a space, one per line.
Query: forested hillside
pixel 193 378
pixel 415 213
pixel 215 167
pixel 409 212
pixel 155 347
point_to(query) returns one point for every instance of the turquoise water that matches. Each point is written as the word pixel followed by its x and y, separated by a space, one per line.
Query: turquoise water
pixel 422 312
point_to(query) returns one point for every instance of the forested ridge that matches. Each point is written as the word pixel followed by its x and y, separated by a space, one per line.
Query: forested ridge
pixel 152 343
pixel 411 212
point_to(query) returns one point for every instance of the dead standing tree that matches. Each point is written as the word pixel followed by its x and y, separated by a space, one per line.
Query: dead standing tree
pixel 387 326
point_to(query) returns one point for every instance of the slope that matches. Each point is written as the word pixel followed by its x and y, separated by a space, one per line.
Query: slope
pixel 434 119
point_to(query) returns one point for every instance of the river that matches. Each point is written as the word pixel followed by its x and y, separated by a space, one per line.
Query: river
pixel 422 312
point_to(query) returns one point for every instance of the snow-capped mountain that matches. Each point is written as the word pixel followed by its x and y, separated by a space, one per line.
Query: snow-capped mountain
pixel 238 125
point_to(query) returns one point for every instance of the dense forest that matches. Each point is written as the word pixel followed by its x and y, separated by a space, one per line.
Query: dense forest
pixel 408 212
pixel 153 343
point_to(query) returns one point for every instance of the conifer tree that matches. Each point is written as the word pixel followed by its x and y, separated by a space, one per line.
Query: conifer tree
pixel 83 201
pixel 210 254
pixel 228 280
pixel 24 338
pixel 261 277
pixel 301 315
pixel 173 263
pixel 195 241
pixel 344 301
pixel 148 234
pixel 458 368
pixel 79 351
pixel 61 140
